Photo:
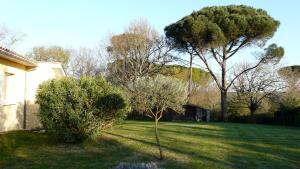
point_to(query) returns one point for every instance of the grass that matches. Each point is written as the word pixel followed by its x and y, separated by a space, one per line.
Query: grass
pixel 186 145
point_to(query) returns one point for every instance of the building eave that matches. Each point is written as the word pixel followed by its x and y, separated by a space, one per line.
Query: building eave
pixel 17 58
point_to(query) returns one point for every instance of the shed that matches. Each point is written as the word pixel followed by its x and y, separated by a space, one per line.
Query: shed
pixel 197 113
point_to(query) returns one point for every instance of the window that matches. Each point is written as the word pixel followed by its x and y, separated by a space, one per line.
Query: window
pixel 2 86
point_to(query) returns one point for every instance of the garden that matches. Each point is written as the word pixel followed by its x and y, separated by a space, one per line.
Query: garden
pixel 87 117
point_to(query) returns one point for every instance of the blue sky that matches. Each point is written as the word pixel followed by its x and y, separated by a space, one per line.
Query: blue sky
pixel 85 23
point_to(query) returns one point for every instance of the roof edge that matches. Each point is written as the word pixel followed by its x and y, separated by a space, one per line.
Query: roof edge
pixel 14 57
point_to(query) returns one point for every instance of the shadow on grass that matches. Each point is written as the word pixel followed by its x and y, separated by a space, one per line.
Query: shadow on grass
pixel 255 146
pixel 205 146
pixel 176 150
pixel 260 155
pixel 24 149
pixel 244 145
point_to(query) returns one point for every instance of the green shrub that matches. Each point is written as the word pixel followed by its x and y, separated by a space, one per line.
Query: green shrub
pixel 75 109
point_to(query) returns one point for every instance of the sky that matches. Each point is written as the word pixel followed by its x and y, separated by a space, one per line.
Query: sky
pixel 86 23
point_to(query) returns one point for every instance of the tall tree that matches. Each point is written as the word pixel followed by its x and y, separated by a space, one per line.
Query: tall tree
pixel 139 51
pixel 50 54
pixel 218 33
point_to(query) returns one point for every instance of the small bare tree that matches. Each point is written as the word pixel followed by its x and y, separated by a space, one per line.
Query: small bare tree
pixel 139 51
pixel 153 96
pixel 9 37
pixel 252 87
pixel 86 62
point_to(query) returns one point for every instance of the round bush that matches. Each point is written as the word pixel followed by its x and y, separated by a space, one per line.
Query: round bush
pixel 75 109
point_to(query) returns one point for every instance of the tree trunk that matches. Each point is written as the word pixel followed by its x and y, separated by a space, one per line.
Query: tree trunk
pixel 191 75
pixel 224 105
pixel 252 120
pixel 157 140
pixel 252 114
pixel 224 88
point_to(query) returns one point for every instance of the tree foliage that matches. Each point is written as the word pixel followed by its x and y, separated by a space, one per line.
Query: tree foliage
pixel 75 109
pixel 288 104
pixel 230 26
pixel 180 72
pixel 158 93
pixel 153 96
pixel 50 54
pixel 219 32
pixel 139 51
pixel 291 76
pixel 176 71
pixel 295 69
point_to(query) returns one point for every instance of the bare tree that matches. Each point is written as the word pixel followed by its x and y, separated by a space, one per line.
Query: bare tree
pixel 139 51
pixel 86 62
pixel 254 86
pixel 205 94
pixel 8 37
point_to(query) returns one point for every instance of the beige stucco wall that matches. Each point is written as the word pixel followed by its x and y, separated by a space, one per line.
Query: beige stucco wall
pixel 11 117
pixel 11 110
pixel 21 87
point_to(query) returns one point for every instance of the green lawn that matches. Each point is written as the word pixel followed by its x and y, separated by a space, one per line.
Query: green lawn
pixel 186 145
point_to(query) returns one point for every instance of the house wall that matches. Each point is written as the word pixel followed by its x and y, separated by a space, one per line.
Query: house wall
pixel 11 108
pixel 20 90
